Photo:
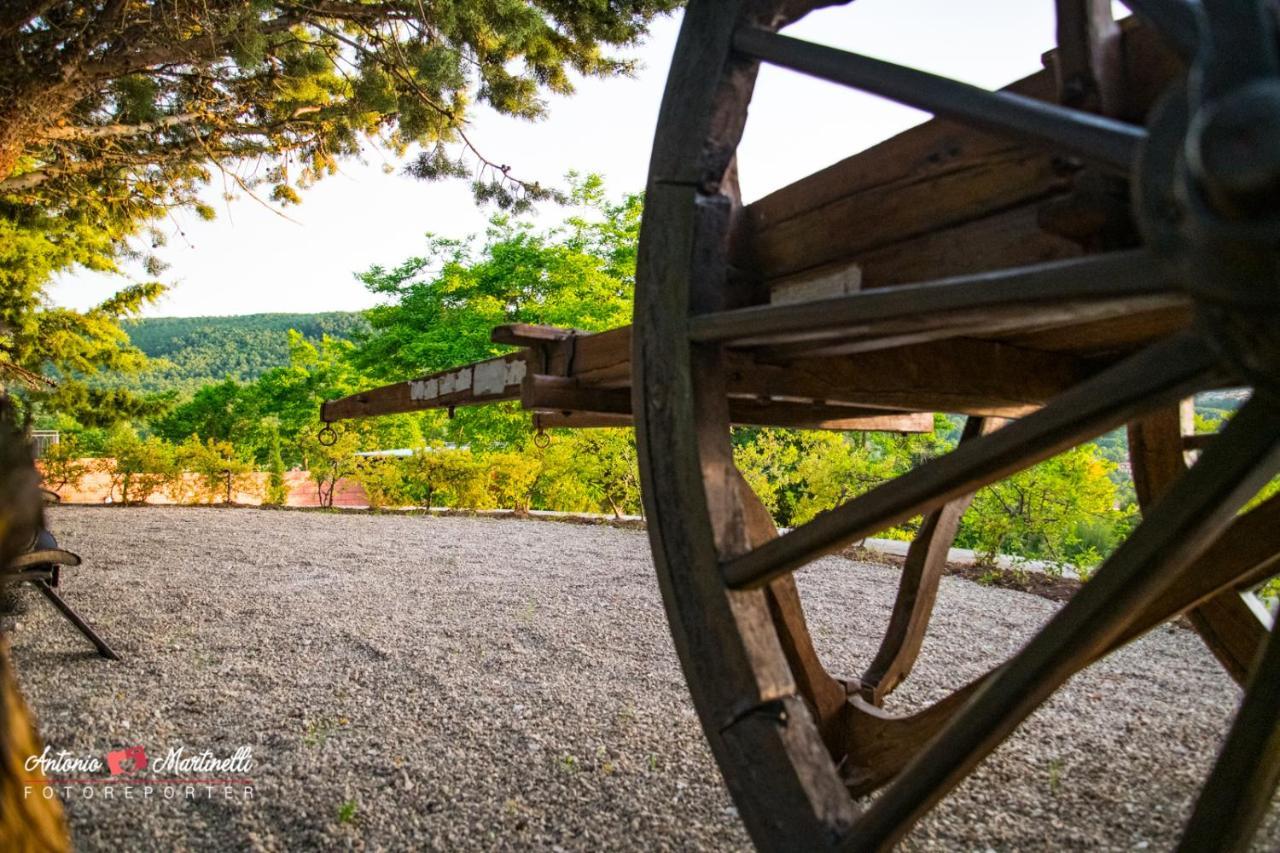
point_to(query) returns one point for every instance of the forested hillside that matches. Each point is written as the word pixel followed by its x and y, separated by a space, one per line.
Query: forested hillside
pixel 194 351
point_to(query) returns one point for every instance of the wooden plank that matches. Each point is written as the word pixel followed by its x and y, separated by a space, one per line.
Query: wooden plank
pixel 959 376
pixel 602 359
pixel 1110 335
pixel 1003 301
pixel 798 415
pixel 1009 238
pixel 1087 61
pixel 489 381
pixel 581 420
pixel 527 335
pixel 1228 626
pixel 925 179
pixel 568 395
pixel 932 178
pixel 918 587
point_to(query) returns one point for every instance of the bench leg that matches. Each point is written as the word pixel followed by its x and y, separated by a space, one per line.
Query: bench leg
pixel 75 619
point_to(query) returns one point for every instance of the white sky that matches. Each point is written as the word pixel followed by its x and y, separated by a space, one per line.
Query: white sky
pixel 251 260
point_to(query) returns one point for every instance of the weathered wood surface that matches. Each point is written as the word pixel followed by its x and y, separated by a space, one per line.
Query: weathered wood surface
pixel 739 677
pixel 490 381
pixel 1191 516
pixel 932 178
pixel 1229 627
pixel 918 587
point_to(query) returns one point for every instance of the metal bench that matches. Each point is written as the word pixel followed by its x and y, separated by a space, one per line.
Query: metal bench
pixel 40 566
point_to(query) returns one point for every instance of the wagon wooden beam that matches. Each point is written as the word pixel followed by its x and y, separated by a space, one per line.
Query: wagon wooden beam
pixel 591 373
pixel 568 396
pixel 490 381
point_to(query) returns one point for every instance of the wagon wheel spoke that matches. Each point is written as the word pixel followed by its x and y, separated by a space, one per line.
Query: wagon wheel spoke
pixel 876 745
pixel 1227 623
pixel 1243 781
pixel 826 695
pixel 1161 374
pixel 1232 630
pixel 1181 525
pixel 1174 19
pixel 1109 143
pixel 918 587
pixel 990 303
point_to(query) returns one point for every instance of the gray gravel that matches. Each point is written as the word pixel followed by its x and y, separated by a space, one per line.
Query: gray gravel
pixel 467 683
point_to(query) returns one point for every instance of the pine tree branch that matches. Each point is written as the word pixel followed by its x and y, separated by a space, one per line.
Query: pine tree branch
pixel 105 131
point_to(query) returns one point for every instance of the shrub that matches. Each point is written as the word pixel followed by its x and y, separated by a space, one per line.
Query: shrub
pixel 1061 511
pixel 63 464
pixel 383 480
pixel 277 491
pixel 328 464
pixel 512 476
pixel 219 472
pixel 138 468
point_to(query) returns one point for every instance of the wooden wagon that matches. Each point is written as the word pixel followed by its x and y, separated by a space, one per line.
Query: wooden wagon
pixel 1084 250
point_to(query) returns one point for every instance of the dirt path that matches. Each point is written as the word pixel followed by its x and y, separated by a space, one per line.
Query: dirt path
pixel 463 683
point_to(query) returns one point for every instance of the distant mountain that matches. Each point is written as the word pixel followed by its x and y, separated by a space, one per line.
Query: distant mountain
pixel 198 350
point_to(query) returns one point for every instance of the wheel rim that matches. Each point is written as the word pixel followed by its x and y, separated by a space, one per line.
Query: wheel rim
pixel 777 723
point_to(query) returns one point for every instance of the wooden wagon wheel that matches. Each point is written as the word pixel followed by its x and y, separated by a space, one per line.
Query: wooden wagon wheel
pixel 1188 301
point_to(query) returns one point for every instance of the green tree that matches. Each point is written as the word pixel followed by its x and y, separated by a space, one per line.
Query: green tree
pixel 442 305
pixel 114 112
pixel 329 463
pixel 63 464
pixel 137 467
pixel 219 471
pixel 225 411
pixel 140 95
pixel 277 492
pixel 1063 511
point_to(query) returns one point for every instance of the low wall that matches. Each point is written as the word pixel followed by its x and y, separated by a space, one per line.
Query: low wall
pixel 95 488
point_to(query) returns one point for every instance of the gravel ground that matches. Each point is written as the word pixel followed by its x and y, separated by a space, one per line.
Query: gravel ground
pixel 467 683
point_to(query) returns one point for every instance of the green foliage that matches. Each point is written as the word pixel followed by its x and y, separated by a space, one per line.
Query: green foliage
pixel 60 342
pixel 277 492
pixel 801 473
pixel 63 464
pixel 1063 510
pixel 219 472
pixel 328 463
pixel 442 305
pixel 137 467
pixel 589 471
pixel 383 480
pixel 190 352
pixel 511 476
